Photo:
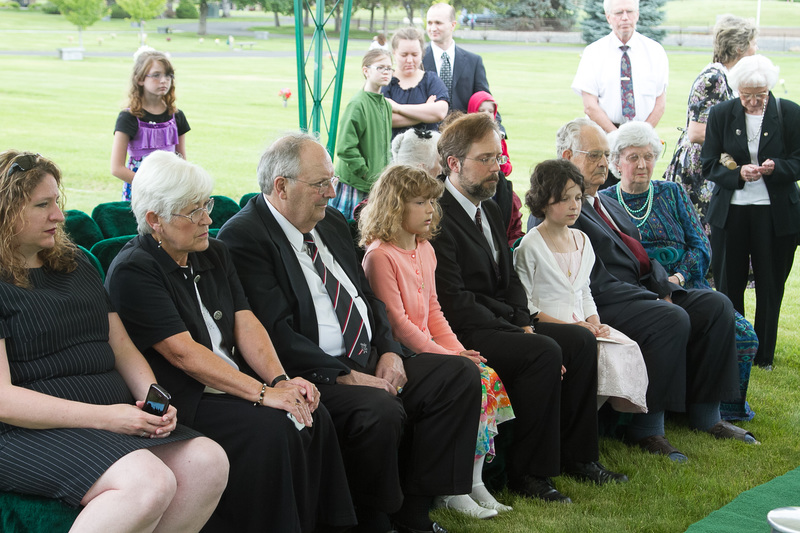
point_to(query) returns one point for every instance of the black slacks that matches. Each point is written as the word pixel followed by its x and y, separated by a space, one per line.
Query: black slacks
pixel 749 236
pixel 689 346
pixel 420 442
pixel 556 421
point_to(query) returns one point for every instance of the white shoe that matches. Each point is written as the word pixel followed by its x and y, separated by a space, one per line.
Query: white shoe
pixel 464 504
pixel 485 499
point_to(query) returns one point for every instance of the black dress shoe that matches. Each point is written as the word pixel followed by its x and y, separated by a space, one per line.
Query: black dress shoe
pixel 435 528
pixel 593 471
pixel 537 487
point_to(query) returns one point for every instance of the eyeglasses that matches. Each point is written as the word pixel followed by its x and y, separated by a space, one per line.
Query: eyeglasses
pixel 197 215
pixel 634 158
pixel 321 186
pixel 595 155
pixel 383 69
pixel 22 163
pixel 158 76
pixel 758 97
pixel 489 161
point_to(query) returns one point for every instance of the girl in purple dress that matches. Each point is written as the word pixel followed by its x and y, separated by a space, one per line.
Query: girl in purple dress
pixel 151 121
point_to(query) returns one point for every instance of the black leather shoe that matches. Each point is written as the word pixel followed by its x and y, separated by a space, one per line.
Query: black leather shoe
pixel 538 487
pixel 593 471
pixel 435 528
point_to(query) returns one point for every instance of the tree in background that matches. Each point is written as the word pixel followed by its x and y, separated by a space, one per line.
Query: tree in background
pixel 533 14
pixel 278 7
pixel 82 13
pixel 651 15
pixel 142 10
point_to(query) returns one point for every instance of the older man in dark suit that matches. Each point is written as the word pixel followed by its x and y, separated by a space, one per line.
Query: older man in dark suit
pixel 462 72
pixel 406 423
pixel 686 336
pixel 483 299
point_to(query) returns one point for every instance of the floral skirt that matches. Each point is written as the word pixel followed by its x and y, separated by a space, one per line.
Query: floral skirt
pixel 495 409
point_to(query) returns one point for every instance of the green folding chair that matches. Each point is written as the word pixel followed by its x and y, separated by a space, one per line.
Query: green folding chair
pixel 94 261
pixel 106 250
pixel 224 208
pixel 82 228
pixel 115 219
pixel 246 198
pixel 22 513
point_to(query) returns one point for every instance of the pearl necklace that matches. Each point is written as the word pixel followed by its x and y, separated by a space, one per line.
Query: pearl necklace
pixel 635 213
pixel 760 125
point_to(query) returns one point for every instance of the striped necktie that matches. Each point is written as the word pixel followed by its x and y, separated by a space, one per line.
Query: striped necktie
pixel 626 86
pixel 356 340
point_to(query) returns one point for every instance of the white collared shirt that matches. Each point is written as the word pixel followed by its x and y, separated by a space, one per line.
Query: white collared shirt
pixel 471 209
pixel 330 331
pixel 599 74
pixel 591 199
pixel 437 57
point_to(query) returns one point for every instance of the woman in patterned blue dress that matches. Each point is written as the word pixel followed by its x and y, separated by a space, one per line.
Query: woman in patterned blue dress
pixel 672 235
pixel 734 38
pixel 69 426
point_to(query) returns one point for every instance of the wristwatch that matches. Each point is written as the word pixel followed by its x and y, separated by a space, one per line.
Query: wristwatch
pixel 681 279
pixel 278 379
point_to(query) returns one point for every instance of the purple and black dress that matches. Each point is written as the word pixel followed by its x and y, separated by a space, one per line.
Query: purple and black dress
pixel 148 134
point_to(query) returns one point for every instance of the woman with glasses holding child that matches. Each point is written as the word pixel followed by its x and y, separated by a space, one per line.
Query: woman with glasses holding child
pixel 752 154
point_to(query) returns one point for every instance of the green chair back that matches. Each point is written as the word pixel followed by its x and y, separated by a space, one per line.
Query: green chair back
pixel 115 219
pixel 107 249
pixel 224 208
pixel 22 513
pixel 94 261
pixel 82 228
pixel 246 198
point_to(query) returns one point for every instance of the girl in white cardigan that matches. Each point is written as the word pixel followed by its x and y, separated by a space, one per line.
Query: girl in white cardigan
pixel 554 261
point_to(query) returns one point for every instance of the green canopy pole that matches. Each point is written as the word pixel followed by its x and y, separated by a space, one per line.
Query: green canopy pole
pixel 316 95
pixel 337 91
pixel 301 63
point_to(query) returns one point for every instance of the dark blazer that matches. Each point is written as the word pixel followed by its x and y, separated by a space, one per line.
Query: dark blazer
pixel 278 293
pixel 464 259
pixel 469 76
pixel 615 277
pixel 156 301
pixel 726 132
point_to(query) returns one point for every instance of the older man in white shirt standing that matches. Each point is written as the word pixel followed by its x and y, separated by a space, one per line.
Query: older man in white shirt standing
pixel 623 76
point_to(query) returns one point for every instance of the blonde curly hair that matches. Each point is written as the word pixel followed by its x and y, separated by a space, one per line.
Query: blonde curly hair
pixel 382 218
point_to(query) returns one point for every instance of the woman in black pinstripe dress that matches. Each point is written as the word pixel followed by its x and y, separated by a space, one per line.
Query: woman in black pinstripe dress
pixel 69 374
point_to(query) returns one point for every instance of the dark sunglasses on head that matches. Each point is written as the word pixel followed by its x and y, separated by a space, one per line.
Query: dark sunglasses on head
pixel 22 163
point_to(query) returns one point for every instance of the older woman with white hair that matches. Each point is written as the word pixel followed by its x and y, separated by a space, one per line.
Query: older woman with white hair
pixel 672 234
pixel 752 154
pixel 178 294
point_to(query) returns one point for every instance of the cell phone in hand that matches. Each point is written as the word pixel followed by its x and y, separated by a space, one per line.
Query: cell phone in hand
pixel 157 401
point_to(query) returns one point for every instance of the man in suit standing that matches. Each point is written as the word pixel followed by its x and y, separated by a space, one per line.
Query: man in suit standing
pixel 555 429
pixel 687 337
pixel 406 423
pixel 462 72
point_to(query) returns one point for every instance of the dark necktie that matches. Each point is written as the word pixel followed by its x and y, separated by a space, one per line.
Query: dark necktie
pixel 446 73
pixel 479 225
pixel 479 220
pixel 626 85
pixel 633 244
pixel 356 340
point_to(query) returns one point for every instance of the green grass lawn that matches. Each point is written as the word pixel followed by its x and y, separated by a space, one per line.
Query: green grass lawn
pixel 66 111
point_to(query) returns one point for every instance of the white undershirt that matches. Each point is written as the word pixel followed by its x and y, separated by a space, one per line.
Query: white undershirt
pixel 754 192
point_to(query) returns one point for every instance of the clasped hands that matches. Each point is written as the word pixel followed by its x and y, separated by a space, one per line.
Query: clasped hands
pixel 750 173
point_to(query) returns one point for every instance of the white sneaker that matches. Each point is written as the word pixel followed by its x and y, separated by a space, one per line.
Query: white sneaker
pixel 464 504
pixel 485 499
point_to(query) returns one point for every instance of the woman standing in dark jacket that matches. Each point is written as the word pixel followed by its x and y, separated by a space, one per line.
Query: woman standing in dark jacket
pixel 754 211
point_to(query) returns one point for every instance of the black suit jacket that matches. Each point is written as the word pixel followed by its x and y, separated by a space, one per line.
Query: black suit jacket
pixel 279 296
pixel 783 147
pixel 615 277
pixel 469 76
pixel 471 294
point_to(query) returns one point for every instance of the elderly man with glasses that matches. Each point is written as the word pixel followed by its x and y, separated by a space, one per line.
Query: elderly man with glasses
pixel 687 336
pixel 406 422
pixel 551 377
